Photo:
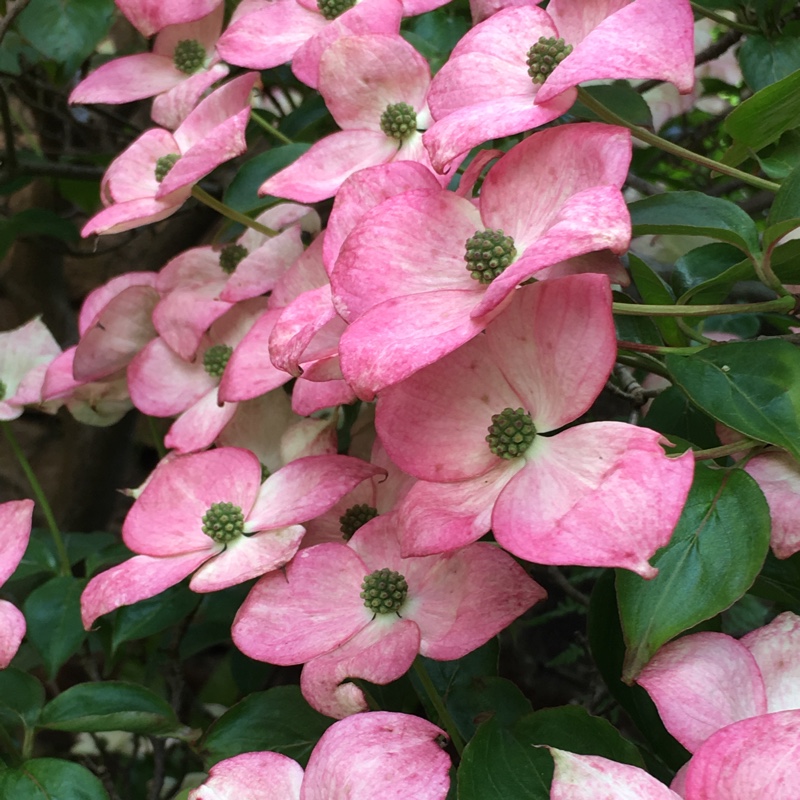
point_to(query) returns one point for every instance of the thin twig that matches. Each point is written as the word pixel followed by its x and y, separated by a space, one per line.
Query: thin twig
pixel 13 7
pixel 561 581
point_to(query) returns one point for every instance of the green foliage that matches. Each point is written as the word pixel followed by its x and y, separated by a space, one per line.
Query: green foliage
pixel 715 554
pixel 50 779
pixel 766 61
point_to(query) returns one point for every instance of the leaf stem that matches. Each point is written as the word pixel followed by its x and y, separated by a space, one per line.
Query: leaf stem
pixel 61 551
pixel 656 349
pixel 730 23
pixel 270 129
pixel 726 449
pixel 444 715
pixel 643 135
pixel 236 216
pixel 780 305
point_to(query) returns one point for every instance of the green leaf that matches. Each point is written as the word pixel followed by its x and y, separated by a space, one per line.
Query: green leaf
pixel 707 264
pixel 713 558
pixel 622 99
pixel 695 214
pixel 435 34
pixel 784 215
pixel 35 222
pixel 766 61
pixel 761 119
pixel 780 159
pixel 65 30
pixel 148 617
pixel 635 329
pixel 483 699
pixel 752 387
pixel 672 414
pixel 242 193
pixel 780 581
pixel 50 779
pixel 53 614
pixel 279 719
pixel 497 765
pixel 655 292
pixel 22 695
pixel 110 706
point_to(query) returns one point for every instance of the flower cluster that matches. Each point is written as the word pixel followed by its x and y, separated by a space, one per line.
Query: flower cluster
pixel 478 319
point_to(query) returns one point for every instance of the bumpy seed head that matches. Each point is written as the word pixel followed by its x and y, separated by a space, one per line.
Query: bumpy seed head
pixel 230 257
pixel 354 518
pixel 488 253
pixel 3 390
pixel 165 164
pixel 384 591
pixel 265 473
pixel 216 359
pixel 223 522
pixel 545 56
pixel 189 56
pixel 331 9
pixel 511 433
pixel 399 121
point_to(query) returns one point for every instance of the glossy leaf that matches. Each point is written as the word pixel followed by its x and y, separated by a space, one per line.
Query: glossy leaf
pixel 21 695
pixel 708 264
pixel 752 387
pixel 109 706
pixel 766 61
pixel 279 719
pixel 53 614
pixel 779 580
pixel 654 291
pixel 672 414
pixel 784 215
pixel 484 699
pixel 50 779
pixel 622 99
pixel 713 558
pixel 695 214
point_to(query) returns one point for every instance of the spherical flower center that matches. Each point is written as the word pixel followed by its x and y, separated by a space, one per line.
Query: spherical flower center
pixel 511 433
pixel 384 591
pixel 165 164
pixel 354 518
pixel 488 253
pixel 216 359
pixel 331 9
pixel 3 390
pixel 230 257
pixel 399 121
pixel 545 56
pixel 189 56
pixel 223 522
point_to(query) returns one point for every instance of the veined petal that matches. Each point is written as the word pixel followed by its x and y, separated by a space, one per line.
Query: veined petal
pixel 256 776
pixel 151 16
pixel 600 494
pixel 248 557
pixel 320 171
pixel 555 344
pixel 702 683
pixel 15 531
pixel 645 39
pixel 775 648
pixel 306 488
pixel 381 652
pixel 579 777
pixel 134 213
pixel 167 518
pixel 377 755
pixel 309 396
pixel 309 609
pixel 138 578
pixel 12 632
pixel 201 423
pixel 172 107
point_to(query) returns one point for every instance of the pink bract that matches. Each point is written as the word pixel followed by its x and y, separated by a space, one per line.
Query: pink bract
pixel 150 16
pixel 706 681
pixel 165 524
pixel 314 614
pixel 556 195
pixel 361 78
pixel 485 91
pixel 379 753
pixel 211 134
pixel 598 494
pixel 149 74
pixel 15 530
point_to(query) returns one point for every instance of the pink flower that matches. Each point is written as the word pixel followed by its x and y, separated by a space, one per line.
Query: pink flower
pixel 266 33
pixel 330 612
pixel 380 754
pixel 376 90
pixel 182 66
pixel 479 428
pixel 706 681
pixel 548 202
pixel 210 514
pixel 15 531
pixel 25 354
pixel 150 16
pixel 153 178
pixel 485 91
